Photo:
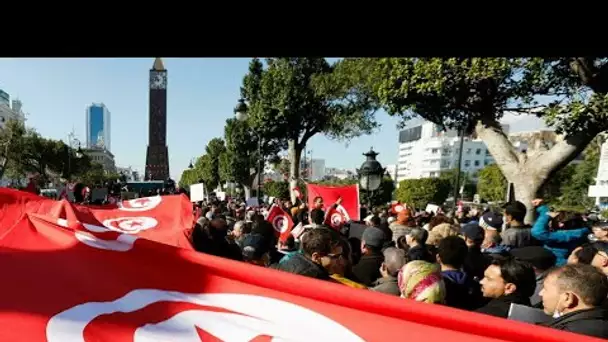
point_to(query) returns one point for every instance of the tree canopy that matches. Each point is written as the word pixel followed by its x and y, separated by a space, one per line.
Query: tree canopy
pixel 25 152
pixel 292 99
pixel 473 94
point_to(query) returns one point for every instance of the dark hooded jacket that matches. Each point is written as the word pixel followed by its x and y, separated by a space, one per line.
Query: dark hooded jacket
pixel 459 288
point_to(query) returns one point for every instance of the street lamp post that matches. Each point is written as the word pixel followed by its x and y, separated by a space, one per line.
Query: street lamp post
pixel 72 140
pixel 370 175
pixel 240 112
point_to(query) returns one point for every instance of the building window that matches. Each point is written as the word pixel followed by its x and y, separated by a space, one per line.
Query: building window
pixel 434 150
pixel 467 163
pixel 476 163
pixel 432 174
pixel 468 151
pixel 478 151
pixel 487 152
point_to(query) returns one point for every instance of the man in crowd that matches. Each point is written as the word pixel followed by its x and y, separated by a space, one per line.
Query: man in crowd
pixel 516 234
pixel 416 240
pixel 394 259
pixel 542 260
pixel 573 295
pixel 368 268
pixel 451 254
pixel 507 281
pixel 600 258
pixel 256 250
pixel 320 249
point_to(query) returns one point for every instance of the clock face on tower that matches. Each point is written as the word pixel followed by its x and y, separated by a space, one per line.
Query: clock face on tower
pixel 158 80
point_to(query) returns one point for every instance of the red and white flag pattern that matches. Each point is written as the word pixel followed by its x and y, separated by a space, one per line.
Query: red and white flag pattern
pixel 67 284
pixel 330 194
pixel 280 220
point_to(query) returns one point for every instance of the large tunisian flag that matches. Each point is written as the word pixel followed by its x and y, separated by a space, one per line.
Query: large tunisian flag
pixel 330 194
pixel 66 285
pixel 159 218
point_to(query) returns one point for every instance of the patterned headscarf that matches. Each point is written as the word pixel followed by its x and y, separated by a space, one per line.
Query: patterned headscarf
pixel 421 281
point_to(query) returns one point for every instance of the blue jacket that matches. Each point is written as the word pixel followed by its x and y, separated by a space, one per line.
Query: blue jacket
pixel 559 242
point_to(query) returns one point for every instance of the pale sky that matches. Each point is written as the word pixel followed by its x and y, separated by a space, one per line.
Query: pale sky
pixel 202 93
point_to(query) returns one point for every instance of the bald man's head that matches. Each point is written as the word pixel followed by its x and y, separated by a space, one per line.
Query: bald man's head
pixel 394 259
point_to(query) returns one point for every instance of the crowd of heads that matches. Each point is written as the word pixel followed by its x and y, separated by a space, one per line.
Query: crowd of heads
pixel 472 259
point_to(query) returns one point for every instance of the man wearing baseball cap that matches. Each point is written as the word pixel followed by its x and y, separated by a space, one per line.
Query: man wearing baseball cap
pixel 368 268
pixel 492 225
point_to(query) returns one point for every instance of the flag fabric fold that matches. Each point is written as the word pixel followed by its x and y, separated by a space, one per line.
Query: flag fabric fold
pixel 66 283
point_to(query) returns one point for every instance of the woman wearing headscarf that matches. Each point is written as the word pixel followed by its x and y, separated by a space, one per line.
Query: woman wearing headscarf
pixel 421 281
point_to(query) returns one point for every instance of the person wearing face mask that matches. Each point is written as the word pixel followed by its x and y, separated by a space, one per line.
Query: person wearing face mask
pixel 573 295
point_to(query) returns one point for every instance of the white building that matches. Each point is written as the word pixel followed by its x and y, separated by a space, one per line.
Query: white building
pixel 102 157
pixel 391 169
pixel 10 111
pixel 317 169
pixel 131 174
pixel 426 151
pixel 600 189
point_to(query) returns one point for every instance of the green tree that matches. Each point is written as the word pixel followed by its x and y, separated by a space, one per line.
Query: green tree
pixel 207 172
pixel 292 99
pixel 215 148
pixel 465 182
pixel 277 189
pixel 473 94
pixel 574 191
pixel 188 177
pixel 243 156
pixel 420 192
pixel 492 184
pixel 12 137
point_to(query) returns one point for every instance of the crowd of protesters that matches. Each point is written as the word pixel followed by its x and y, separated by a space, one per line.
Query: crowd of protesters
pixel 483 261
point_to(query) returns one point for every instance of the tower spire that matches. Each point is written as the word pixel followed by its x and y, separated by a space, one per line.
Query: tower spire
pixel 158 64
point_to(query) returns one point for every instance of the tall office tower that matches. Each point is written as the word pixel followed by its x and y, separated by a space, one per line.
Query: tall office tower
pixel 98 126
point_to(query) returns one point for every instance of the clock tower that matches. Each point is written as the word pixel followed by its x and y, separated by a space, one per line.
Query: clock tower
pixel 157 155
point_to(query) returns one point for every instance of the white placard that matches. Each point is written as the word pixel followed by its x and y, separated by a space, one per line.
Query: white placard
pixel 197 192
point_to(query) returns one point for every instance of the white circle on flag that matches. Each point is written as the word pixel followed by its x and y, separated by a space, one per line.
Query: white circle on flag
pixel 398 208
pixel 140 204
pixel 130 225
pixel 244 318
pixel 280 223
pixel 335 220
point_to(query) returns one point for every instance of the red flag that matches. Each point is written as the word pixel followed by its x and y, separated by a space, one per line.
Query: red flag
pixel 331 194
pixel 64 285
pixel 397 207
pixel 336 217
pixel 162 219
pixel 280 220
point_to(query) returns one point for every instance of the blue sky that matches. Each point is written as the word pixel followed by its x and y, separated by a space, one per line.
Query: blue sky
pixel 202 93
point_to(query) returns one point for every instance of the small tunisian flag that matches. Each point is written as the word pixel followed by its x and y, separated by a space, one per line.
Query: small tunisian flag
pixel 336 216
pixel 331 194
pixel 397 207
pixel 281 221
pixel 66 285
